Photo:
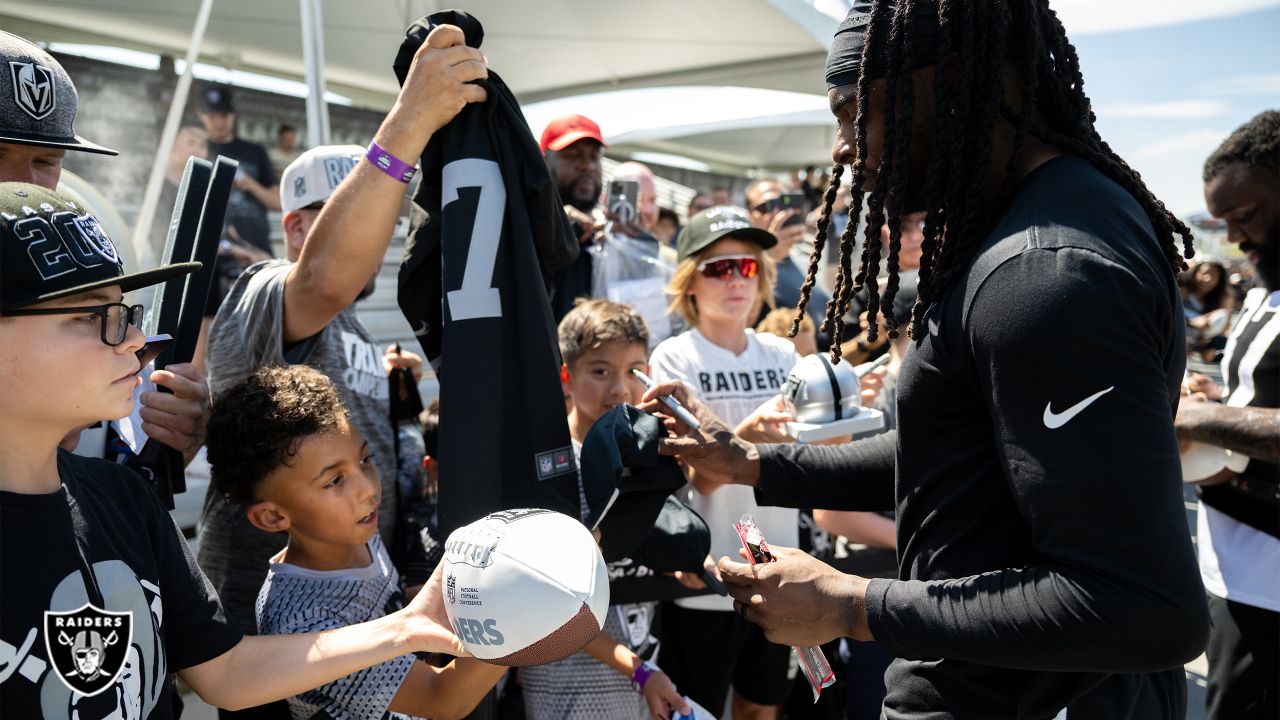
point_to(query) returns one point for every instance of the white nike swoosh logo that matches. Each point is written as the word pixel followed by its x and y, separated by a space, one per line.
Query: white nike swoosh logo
pixel 1053 420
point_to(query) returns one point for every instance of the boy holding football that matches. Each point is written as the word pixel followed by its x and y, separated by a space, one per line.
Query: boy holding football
pixel 282 444
pixel 103 598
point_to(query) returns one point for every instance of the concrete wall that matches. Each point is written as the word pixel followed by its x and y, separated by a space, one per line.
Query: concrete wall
pixel 124 108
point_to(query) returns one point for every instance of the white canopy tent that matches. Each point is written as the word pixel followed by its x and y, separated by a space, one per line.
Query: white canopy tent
pixel 733 130
pixel 542 49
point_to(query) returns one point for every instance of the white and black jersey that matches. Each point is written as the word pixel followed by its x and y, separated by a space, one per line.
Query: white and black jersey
pixel 299 600
pixel 1238 532
pixel 1045 559
pixel 1251 373
pixel 473 287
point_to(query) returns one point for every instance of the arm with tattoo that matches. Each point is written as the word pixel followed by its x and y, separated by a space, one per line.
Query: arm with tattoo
pixel 1249 430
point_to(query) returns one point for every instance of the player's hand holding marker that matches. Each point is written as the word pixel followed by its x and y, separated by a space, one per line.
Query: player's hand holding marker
pixel 713 451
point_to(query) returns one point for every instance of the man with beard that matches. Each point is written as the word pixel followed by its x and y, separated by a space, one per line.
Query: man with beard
pixel 300 310
pixel 1046 569
pixel 1239 514
pixel 573 148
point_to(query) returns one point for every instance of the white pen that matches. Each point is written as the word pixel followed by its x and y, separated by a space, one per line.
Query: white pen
pixel 670 402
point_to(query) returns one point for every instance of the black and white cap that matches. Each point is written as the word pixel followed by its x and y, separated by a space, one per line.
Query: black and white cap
pixel 51 247
pixel 37 99
pixel 313 176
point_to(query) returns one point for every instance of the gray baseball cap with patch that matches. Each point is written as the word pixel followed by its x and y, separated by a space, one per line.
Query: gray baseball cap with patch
pixel 37 99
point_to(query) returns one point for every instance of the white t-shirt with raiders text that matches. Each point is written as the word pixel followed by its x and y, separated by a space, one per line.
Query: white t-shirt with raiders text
pixel 298 600
pixel 732 386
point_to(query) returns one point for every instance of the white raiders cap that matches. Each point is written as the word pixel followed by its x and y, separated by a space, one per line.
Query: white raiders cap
pixel 315 174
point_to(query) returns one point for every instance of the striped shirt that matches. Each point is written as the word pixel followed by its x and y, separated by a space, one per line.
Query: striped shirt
pixel 298 600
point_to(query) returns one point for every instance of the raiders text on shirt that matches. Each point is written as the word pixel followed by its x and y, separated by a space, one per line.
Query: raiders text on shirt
pixel 741 382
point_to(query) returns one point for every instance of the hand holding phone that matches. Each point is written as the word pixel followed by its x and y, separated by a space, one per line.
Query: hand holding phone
pixel 622 201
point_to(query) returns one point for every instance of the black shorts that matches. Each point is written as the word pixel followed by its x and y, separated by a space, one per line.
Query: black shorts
pixel 1244 661
pixel 704 652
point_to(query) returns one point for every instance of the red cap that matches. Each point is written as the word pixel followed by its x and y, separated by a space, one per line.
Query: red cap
pixel 567 130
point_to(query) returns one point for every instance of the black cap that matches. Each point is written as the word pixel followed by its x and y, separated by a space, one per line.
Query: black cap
pixel 217 98
pixel 680 540
pixel 624 479
pixel 719 222
pixel 51 247
pixel 37 99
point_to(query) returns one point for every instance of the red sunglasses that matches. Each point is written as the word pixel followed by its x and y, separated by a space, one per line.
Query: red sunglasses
pixel 721 268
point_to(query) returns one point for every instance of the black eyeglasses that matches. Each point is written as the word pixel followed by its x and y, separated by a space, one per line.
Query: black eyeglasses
pixel 116 318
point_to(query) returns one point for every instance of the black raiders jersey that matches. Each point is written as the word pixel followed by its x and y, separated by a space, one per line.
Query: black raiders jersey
pixel 490 228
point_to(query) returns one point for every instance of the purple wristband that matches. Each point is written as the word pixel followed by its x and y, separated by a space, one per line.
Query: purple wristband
pixel 641 675
pixel 390 164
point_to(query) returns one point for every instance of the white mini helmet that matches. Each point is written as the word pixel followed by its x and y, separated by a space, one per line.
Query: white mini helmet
pixel 818 392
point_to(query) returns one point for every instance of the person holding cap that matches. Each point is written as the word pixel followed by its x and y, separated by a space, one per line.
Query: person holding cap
pixel 723 276
pixel 115 601
pixel 38 104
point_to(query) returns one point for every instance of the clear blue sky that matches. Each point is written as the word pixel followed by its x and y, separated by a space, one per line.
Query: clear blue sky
pixel 1167 96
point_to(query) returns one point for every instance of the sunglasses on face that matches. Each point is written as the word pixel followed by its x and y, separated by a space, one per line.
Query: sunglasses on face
pixel 722 267
pixel 116 318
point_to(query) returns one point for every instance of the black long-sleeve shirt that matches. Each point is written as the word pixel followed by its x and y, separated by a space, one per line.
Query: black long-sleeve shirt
pixel 1045 560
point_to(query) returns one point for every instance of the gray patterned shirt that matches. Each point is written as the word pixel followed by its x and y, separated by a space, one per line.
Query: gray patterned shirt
pixel 299 600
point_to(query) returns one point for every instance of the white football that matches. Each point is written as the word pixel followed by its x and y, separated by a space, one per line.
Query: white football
pixel 525 587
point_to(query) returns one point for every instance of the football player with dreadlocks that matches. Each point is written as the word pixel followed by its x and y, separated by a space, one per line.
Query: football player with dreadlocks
pixel 1046 565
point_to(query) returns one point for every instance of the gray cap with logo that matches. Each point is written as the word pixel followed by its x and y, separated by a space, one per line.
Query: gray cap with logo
pixel 718 222
pixel 37 99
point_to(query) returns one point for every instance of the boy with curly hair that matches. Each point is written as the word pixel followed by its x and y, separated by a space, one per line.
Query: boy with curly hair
pixel 282 444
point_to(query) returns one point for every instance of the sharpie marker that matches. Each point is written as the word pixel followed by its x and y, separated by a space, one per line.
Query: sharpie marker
pixel 670 402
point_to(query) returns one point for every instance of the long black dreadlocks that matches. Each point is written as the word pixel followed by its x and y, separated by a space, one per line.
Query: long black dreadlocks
pixel 1052 108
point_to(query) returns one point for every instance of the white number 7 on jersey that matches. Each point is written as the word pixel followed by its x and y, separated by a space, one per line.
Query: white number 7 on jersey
pixel 477 298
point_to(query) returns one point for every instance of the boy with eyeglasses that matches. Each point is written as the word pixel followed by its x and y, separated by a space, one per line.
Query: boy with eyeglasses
pixel 723 277
pixel 90 561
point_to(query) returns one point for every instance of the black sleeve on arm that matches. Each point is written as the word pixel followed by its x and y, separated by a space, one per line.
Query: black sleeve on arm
pixel 853 476
pixel 1115 586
